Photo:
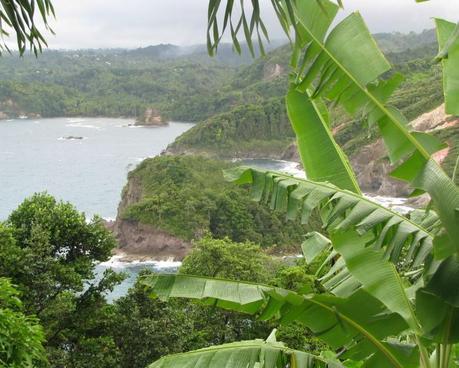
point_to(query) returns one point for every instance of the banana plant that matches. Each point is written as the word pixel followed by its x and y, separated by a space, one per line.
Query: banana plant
pixel 392 293
pixel 254 353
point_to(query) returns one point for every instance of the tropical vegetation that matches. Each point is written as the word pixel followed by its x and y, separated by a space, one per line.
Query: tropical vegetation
pixel 388 298
pixel 374 288
pixel 187 197
pixel 57 313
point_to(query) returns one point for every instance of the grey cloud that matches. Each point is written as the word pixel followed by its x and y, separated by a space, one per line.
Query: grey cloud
pixel 137 23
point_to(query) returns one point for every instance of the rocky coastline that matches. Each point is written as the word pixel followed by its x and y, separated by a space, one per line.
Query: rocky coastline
pixel 144 242
pixel 137 241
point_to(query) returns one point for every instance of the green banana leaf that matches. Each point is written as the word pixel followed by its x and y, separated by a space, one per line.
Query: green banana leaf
pixel 378 276
pixel 403 240
pixel 448 43
pixel 345 68
pixel 437 304
pixel 314 245
pixel 366 235
pixel 312 131
pixel 362 267
pixel 247 354
pixel 360 322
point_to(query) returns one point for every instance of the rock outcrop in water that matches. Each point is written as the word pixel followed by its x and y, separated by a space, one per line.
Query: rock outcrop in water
pixel 151 117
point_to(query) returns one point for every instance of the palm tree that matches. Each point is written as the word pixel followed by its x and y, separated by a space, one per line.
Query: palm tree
pixel 20 17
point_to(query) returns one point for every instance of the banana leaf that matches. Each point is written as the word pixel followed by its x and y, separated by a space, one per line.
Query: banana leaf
pixel 247 354
pixel 360 323
pixel 448 43
pixel 346 68
pixel 402 240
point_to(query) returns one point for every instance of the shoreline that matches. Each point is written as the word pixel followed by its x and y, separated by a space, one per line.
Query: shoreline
pixel 132 257
pixel 122 260
pixel 160 244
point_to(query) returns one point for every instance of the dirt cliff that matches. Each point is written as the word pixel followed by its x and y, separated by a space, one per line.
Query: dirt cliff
pixel 151 117
pixel 371 164
pixel 140 240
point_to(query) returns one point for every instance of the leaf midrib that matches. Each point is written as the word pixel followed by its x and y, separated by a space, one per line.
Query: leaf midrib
pixel 400 126
pixel 359 197
pixel 378 344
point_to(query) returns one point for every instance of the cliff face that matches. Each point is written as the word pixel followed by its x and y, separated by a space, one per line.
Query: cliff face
pixel 140 240
pixel 372 166
pixel 373 171
pixel 151 117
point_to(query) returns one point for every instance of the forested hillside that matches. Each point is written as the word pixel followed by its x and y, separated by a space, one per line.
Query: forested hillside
pixel 262 86
pixel 187 197
pixel 183 83
pixel 109 83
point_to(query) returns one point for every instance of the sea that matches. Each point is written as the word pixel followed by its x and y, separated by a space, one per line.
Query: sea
pixel 86 161
pixel 81 160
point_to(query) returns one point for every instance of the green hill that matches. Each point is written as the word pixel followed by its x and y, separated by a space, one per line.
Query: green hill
pixel 187 197
pixel 110 83
pixel 260 128
pixel 397 42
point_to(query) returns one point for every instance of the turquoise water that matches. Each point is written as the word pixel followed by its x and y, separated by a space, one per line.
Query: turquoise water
pixel 90 171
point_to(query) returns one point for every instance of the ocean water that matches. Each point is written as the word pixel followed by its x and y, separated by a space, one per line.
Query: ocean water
pixel 132 270
pixel 81 160
pixel 86 161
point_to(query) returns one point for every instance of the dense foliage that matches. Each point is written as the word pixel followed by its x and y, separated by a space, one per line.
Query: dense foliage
pixel 188 197
pixel 82 330
pixel 388 299
pixel 48 250
pixel 107 83
pixel 21 336
pixel 180 82
pixel 261 130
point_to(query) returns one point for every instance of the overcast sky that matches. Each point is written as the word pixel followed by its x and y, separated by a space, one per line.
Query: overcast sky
pixel 138 23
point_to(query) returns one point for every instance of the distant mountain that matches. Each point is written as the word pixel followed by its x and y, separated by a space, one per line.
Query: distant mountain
pixel 397 42
pixel 225 55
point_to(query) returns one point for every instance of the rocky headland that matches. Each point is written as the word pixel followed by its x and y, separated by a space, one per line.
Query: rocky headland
pixel 143 241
